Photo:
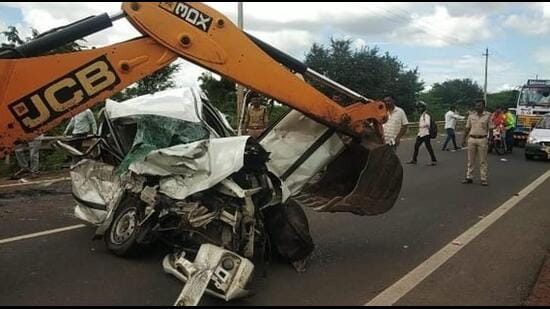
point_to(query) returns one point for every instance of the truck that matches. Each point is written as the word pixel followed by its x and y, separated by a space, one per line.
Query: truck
pixel 533 102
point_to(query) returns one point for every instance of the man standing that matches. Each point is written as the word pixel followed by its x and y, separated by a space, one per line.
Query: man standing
pixel 80 126
pixel 33 163
pixel 256 119
pixel 423 134
pixel 498 118
pixel 450 125
pixel 397 123
pixel 510 126
pixel 477 128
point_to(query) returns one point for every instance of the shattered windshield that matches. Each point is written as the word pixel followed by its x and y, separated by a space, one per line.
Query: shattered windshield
pixel 157 132
pixel 535 96
pixel 544 123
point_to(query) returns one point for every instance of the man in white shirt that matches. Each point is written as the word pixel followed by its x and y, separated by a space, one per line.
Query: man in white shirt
pixel 80 126
pixel 423 134
pixel 397 123
pixel 450 125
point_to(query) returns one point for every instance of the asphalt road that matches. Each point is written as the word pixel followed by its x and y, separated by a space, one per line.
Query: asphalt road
pixel 355 258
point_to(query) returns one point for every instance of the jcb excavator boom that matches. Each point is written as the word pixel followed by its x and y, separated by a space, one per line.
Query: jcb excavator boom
pixel 39 92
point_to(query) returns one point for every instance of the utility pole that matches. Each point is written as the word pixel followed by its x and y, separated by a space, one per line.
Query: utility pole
pixel 240 90
pixel 485 87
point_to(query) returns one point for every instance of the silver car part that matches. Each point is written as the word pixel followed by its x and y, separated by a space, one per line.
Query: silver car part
pixel 224 271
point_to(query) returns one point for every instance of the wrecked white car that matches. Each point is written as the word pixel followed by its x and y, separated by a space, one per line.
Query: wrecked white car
pixel 168 167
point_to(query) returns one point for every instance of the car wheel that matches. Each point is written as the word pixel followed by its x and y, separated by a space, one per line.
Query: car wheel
pixel 121 235
pixel 529 156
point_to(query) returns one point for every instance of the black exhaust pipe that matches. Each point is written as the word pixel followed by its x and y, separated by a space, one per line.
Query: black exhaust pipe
pixel 300 67
pixel 58 37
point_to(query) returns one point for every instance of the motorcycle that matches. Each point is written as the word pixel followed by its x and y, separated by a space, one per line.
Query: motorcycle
pixel 497 141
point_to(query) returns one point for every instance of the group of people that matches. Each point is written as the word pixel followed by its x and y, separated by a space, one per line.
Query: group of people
pixel 505 123
pixel 479 126
pixel 79 126
pixel 397 126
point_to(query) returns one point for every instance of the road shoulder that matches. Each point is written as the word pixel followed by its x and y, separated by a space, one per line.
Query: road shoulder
pixel 540 295
pixel 500 267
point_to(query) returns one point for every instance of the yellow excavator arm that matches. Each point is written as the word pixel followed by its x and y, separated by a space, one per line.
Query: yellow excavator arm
pixel 38 92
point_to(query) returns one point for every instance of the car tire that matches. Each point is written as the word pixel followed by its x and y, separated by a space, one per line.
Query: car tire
pixel 121 237
pixel 529 156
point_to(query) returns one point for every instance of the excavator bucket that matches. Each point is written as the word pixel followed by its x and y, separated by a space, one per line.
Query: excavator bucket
pixel 363 180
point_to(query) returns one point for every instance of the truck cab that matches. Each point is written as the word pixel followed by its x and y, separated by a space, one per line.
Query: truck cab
pixel 533 102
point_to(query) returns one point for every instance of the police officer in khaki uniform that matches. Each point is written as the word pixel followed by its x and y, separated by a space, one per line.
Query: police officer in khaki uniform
pixel 477 129
pixel 256 119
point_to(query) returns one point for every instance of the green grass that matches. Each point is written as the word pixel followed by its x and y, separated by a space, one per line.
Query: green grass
pixel 50 160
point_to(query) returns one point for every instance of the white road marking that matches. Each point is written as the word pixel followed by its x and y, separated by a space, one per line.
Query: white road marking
pixel 28 183
pixel 404 285
pixel 43 233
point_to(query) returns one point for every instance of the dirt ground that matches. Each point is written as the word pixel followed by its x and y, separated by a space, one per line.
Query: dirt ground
pixel 540 295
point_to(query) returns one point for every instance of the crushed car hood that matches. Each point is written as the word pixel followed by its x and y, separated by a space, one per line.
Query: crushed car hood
pixel 171 142
pixel 194 167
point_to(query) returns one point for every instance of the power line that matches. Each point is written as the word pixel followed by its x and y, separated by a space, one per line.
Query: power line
pixel 441 35
pixel 398 19
pixel 444 37
pixel 498 57
pixel 426 29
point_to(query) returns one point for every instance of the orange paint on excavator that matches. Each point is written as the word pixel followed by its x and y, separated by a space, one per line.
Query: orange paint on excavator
pixel 38 92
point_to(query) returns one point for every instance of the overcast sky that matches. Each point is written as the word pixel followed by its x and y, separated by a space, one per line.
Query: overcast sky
pixel 444 40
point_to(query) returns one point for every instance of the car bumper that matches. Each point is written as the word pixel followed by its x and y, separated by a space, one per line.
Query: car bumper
pixel 536 150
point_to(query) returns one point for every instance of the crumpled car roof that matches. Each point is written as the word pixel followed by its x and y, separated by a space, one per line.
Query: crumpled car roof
pixel 180 103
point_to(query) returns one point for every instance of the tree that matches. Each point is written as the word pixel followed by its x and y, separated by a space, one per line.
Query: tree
pixel 366 71
pixel 363 70
pixel 462 92
pixel 506 99
pixel 12 36
pixel 14 40
pixel 221 93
